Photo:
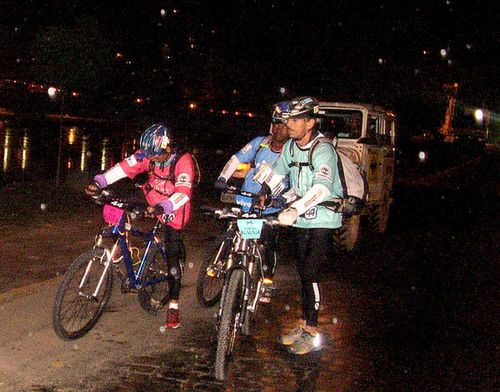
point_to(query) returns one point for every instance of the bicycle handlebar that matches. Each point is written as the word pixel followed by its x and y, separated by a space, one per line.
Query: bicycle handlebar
pixel 237 213
pixel 229 196
pixel 133 208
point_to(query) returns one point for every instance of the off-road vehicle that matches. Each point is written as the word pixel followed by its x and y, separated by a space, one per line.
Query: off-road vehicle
pixel 366 133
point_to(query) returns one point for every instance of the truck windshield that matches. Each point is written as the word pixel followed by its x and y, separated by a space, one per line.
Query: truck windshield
pixel 344 124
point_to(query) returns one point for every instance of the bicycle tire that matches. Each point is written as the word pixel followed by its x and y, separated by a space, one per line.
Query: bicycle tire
pixel 209 289
pixel 246 324
pixel 228 323
pixel 74 314
pixel 153 298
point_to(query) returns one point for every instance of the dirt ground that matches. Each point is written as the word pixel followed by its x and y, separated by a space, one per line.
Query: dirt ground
pixel 413 310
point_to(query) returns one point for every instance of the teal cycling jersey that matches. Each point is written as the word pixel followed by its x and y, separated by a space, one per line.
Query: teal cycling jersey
pixel 293 161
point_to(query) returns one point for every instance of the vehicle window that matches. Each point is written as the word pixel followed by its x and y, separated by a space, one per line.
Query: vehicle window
pixel 385 136
pixel 373 127
pixel 344 124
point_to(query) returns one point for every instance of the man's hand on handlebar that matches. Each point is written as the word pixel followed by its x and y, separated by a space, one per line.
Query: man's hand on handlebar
pixel 93 190
pixel 288 217
pixel 152 211
pixel 221 184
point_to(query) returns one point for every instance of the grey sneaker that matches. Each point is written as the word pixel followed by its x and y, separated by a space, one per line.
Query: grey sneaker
pixel 291 336
pixel 305 344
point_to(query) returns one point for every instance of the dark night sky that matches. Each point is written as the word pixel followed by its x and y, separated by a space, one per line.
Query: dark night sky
pixel 386 51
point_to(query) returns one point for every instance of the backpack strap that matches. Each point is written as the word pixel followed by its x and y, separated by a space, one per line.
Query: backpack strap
pixel 300 165
pixel 265 143
pixel 316 143
pixel 172 163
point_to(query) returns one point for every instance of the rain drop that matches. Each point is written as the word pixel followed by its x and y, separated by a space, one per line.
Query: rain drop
pixel 173 271
pixel 335 320
pixel 162 329
pixel 43 207
pixel 191 265
pixel 287 307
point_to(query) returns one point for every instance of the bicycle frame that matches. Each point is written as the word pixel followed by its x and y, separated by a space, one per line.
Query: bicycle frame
pixel 120 233
pixel 245 248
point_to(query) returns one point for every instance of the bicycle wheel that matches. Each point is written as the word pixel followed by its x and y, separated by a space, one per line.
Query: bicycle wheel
pixel 249 316
pixel 77 307
pixel 211 274
pixel 230 316
pixel 153 298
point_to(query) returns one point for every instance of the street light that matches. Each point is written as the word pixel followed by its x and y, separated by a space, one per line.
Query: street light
pixel 479 116
pixel 53 93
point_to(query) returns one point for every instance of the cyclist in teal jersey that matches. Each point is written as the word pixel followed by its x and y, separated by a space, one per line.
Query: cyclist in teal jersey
pixel 313 223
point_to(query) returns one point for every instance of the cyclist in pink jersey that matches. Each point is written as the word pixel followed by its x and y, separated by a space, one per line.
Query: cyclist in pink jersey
pixel 171 172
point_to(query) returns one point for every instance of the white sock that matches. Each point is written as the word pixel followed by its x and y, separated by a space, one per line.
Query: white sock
pixel 173 305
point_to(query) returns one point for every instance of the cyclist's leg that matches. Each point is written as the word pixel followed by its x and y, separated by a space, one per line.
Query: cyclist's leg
pixel 315 253
pixel 173 246
pixel 314 250
pixel 302 239
pixel 270 241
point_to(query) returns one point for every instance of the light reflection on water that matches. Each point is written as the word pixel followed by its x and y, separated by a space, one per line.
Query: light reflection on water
pixel 30 153
pixel 29 148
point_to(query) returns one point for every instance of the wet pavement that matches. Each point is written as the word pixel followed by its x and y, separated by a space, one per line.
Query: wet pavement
pixel 413 310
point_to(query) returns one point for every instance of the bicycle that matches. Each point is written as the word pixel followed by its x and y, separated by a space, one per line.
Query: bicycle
pixel 243 282
pixel 214 266
pixel 86 287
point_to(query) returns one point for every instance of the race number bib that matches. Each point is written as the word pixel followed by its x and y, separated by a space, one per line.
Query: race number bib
pixel 311 213
pixel 250 229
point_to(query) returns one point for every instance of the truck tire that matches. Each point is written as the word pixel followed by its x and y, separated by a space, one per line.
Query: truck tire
pixel 346 237
pixel 378 217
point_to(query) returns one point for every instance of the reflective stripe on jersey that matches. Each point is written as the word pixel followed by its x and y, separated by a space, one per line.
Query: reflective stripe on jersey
pixel 114 174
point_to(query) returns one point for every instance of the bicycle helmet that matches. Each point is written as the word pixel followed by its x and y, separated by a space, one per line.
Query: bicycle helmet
pixel 155 140
pixel 299 108
pixel 278 109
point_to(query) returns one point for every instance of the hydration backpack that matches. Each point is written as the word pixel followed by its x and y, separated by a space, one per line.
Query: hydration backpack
pixel 353 182
pixel 171 175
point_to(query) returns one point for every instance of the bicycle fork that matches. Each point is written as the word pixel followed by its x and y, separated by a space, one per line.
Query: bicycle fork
pixel 107 265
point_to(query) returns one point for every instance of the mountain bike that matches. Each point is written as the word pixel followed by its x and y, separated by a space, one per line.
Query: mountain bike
pixel 86 288
pixel 243 282
pixel 219 257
